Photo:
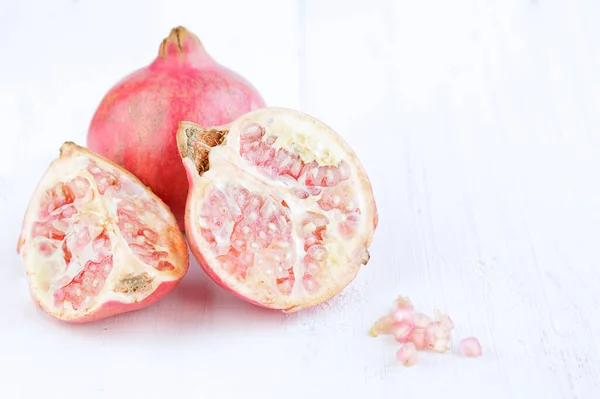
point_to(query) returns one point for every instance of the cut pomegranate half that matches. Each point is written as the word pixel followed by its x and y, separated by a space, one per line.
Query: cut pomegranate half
pixel 96 242
pixel 280 210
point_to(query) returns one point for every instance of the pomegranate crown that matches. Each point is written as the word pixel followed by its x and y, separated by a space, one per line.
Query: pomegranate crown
pixel 183 45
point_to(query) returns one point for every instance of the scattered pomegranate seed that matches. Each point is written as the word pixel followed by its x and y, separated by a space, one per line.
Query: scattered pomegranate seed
pixel 421 320
pixel 418 338
pixel 403 302
pixel 417 331
pixel 437 337
pixel 401 315
pixel 407 354
pixel 470 347
pixel 444 320
pixel 382 326
pixel 403 331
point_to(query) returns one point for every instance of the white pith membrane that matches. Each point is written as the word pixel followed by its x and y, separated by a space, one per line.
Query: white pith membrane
pixel 283 214
pixel 93 234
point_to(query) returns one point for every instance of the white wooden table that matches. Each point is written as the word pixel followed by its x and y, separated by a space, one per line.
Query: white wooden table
pixel 479 124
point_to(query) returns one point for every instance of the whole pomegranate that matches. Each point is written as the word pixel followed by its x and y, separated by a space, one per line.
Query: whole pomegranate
pixel 96 242
pixel 280 210
pixel 136 122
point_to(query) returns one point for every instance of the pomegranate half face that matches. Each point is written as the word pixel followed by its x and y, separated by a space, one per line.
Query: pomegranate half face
pixel 280 210
pixel 96 242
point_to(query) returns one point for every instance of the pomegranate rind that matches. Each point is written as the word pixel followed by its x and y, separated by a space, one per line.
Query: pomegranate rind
pixel 212 167
pixel 74 162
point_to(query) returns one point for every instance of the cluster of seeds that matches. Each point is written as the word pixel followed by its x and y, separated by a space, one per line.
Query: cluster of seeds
pixel 252 233
pixel 417 331
pixel 257 149
pixel 65 224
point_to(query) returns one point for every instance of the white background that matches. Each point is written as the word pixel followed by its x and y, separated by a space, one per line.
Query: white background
pixel 478 122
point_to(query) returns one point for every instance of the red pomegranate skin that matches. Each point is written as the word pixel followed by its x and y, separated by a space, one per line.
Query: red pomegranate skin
pixel 136 122
pixel 114 308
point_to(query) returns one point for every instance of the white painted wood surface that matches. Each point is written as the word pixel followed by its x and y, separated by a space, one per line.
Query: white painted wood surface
pixel 479 124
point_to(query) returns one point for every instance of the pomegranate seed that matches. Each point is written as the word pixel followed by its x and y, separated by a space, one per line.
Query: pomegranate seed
pixel 431 333
pixel 441 345
pixel 444 320
pixel 403 315
pixel 403 302
pixel 418 338
pixel 470 347
pixel 421 320
pixel 437 337
pixel 382 326
pixel 403 331
pixel 407 354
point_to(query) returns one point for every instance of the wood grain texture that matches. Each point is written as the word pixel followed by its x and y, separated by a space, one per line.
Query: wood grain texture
pixel 478 123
